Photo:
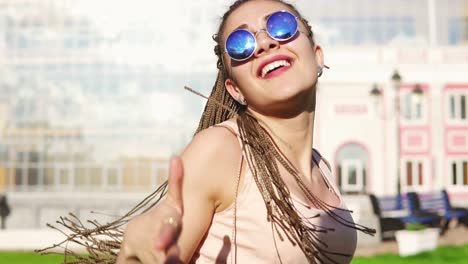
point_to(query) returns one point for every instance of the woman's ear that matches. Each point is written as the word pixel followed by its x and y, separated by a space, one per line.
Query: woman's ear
pixel 234 91
pixel 319 55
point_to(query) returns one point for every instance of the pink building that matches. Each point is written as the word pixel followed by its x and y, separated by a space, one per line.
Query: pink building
pixel 370 140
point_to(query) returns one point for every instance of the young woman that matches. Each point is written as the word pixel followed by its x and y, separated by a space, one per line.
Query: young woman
pixel 249 188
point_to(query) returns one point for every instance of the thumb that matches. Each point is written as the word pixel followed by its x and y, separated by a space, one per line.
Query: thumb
pixel 176 174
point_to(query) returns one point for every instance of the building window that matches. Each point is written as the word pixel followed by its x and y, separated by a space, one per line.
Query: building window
pixel 352 168
pixel 414 173
pixel 463 107
pixel 457 103
pixel 412 107
pixel 452 107
pixel 81 176
pixel 352 175
pixel 458 30
pixel 350 30
pixel 113 176
pixel 459 172
pixel 3 153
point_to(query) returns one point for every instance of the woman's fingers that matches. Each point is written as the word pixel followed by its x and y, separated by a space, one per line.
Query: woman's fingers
pixel 151 238
pixel 172 255
pixel 124 257
pixel 168 233
pixel 171 221
pixel 176 174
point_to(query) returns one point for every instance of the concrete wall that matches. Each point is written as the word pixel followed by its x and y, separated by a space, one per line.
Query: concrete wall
pixel 35 210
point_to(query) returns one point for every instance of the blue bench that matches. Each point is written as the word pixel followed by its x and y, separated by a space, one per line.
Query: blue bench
pixel 388 223
pixel 439 203
pixel 395 212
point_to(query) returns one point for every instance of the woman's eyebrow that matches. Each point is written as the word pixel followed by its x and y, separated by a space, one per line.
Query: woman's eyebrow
pixel 245 26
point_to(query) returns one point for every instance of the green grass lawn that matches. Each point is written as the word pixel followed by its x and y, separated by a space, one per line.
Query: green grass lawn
pixel 28 258
pixel 444 254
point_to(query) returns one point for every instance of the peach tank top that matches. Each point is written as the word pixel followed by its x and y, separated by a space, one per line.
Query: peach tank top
pixel 242 234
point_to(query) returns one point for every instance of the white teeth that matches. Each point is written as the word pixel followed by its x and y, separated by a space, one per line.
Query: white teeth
pixel 271 66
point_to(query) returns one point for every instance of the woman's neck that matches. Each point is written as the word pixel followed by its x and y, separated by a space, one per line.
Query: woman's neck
pixel 294 136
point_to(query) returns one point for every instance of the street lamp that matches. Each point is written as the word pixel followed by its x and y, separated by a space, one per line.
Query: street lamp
pixel 396 80
pixel 417 94
pixel 376 94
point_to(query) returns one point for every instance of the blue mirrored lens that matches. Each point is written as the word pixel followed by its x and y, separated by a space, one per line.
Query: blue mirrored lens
pixel 282 25
pixel 240 44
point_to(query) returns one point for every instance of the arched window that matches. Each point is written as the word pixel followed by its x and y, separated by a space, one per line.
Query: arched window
pixel 352 168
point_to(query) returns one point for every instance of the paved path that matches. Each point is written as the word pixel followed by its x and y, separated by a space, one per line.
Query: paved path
pixel 29 239
pixel 454 236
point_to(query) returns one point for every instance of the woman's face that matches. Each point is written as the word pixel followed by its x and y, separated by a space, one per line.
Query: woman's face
pixel 285 87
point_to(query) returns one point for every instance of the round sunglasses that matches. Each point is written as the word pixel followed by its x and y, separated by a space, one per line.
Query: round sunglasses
pixel 241 44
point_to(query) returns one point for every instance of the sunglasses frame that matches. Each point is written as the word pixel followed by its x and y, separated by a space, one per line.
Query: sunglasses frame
pixel 254 35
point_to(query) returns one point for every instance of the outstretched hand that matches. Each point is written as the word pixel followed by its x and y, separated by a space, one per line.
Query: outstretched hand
pixel 151 237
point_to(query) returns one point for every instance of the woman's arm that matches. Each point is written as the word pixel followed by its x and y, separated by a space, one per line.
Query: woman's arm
pixel 212 162
pixel 176 226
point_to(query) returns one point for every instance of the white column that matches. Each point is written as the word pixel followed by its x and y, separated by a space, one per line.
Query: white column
pixel 432 23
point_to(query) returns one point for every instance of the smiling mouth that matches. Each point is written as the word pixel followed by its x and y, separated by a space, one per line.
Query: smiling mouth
pixel 273 67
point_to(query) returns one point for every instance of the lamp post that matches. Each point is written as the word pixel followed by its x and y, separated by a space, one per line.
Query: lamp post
pixel 396 82
pixel 376 94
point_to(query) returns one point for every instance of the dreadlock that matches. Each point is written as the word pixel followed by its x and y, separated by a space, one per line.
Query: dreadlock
pixel 262 155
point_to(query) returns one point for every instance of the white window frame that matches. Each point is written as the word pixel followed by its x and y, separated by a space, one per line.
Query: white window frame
pixel 345 165
pixel 457 95
pixel 426 174
pixel 409 110
pixel 459 169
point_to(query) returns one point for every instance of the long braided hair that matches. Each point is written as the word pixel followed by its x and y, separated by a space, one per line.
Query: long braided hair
pixel 262 154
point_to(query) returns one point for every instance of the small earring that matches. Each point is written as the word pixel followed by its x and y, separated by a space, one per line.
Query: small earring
pixel 241 99
pixel 319 71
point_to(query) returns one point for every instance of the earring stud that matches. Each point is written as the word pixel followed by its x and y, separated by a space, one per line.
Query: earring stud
pixel 320 70
pixel 241 100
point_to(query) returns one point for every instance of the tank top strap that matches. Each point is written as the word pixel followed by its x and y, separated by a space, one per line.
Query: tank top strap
pixel 325 169
pixel 318 159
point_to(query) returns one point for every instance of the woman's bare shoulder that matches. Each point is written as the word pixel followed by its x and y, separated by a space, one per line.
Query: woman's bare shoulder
pixel 211 142
pixel 211 160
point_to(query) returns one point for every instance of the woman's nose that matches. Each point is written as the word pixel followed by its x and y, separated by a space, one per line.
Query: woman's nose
pixel 264 43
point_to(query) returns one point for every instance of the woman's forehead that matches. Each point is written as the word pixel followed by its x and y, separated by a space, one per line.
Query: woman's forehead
pixel 251 13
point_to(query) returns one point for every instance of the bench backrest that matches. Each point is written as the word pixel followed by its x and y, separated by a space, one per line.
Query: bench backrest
pixel 384 204
pixel 434 201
